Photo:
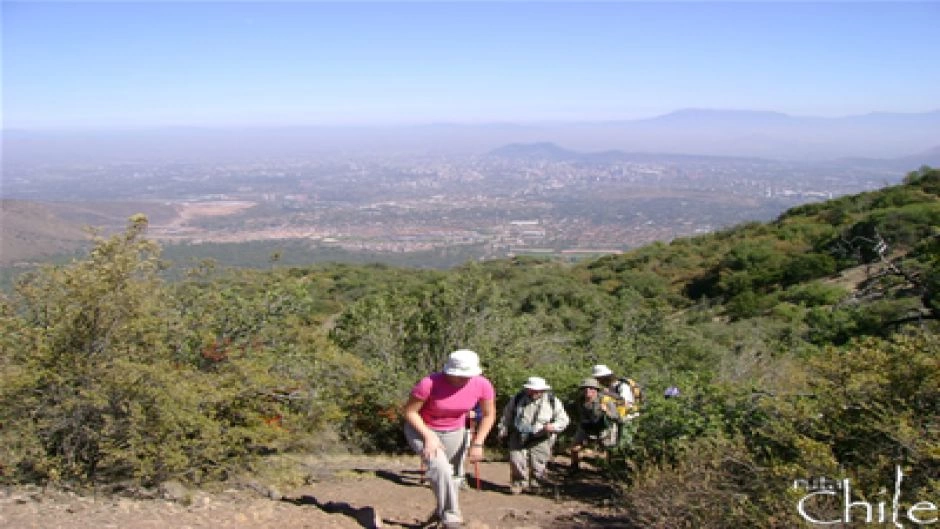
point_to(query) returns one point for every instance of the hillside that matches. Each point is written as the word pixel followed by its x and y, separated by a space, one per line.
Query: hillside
pixel 802 347
pixel 30 231
pixel 892 233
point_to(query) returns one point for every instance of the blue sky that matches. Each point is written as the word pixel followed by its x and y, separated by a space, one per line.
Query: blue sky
pixel 142 64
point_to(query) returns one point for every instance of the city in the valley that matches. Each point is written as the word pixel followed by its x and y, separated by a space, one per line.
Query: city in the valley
pixel 521 199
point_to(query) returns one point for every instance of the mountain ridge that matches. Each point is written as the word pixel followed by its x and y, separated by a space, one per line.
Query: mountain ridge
pixel 693 131
pixel 551 151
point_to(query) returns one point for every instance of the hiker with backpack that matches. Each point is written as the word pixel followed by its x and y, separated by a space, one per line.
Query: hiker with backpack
pixel 531 420
pixel 597 421
pixel 435 426
pixel 625 388
pixel 628 393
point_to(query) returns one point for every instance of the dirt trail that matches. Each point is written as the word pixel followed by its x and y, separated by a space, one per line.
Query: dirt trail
pixel 345 492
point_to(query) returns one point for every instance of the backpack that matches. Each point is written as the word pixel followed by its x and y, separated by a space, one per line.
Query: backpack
pixel 635 390
pixel 625 410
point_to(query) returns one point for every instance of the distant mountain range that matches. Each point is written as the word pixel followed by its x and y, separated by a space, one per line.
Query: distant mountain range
pixel 929 157
pixel 550 152
pixel 689 131
pixel 755 134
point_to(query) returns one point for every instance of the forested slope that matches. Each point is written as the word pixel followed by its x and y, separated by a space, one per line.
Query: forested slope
pixel 803 347
pixel 29 230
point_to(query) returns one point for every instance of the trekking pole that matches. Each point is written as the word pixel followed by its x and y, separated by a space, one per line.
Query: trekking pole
pixel 474 422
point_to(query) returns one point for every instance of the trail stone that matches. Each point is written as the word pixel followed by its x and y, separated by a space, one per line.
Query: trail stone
pixel 173 490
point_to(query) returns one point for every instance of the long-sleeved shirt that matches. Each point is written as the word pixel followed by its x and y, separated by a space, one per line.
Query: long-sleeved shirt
pixel 524 415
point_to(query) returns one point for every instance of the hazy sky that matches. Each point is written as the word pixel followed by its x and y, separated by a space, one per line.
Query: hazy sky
pixel 73 64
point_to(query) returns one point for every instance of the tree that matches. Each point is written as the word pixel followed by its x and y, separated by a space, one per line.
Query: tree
pixel 93 389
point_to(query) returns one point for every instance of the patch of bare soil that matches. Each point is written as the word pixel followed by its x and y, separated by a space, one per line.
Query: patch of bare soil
pixel 340 493
pixel 220 208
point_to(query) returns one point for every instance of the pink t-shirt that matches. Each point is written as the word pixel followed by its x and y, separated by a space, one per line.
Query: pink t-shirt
pixel 445 406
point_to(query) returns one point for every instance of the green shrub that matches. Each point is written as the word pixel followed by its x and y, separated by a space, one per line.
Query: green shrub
pixel 94 390
pixel 814 294
pixel 717 483
pixel 880 407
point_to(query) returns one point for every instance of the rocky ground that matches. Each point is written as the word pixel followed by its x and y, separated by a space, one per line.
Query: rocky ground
pixel 339 492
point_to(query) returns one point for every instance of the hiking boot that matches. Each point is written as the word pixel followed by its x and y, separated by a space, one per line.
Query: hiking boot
pixel 545 480
pixel 433 522
pixel 541 484
pixel 451 521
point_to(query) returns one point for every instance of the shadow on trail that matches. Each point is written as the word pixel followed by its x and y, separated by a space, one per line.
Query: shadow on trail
pixel 594 490
pixel 415 478
pixel 407 478
pixel 367 516
pixel 588 520
pixel 364 516
pixel 593 486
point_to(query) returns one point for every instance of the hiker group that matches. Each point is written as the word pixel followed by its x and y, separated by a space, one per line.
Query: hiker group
pixel 436 426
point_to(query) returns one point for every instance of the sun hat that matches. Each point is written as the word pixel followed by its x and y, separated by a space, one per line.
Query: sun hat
pixel 601 371
pixel 463 363
pixel 536 384
pixel 590 383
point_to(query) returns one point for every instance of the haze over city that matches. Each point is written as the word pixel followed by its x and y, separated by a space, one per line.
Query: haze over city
pixel 494 127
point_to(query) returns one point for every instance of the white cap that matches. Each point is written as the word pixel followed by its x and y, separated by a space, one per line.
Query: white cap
pixel 463 363
pixel 536 384
pixel 601 371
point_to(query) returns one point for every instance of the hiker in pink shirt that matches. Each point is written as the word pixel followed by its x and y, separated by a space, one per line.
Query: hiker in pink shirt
pixel 435 426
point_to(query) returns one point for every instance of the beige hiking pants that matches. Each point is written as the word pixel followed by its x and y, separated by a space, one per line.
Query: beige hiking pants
pixel 440 469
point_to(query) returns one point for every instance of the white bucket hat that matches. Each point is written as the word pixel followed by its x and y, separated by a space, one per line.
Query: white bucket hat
pixel 601 371
pixel 536 384
pixel 463 363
